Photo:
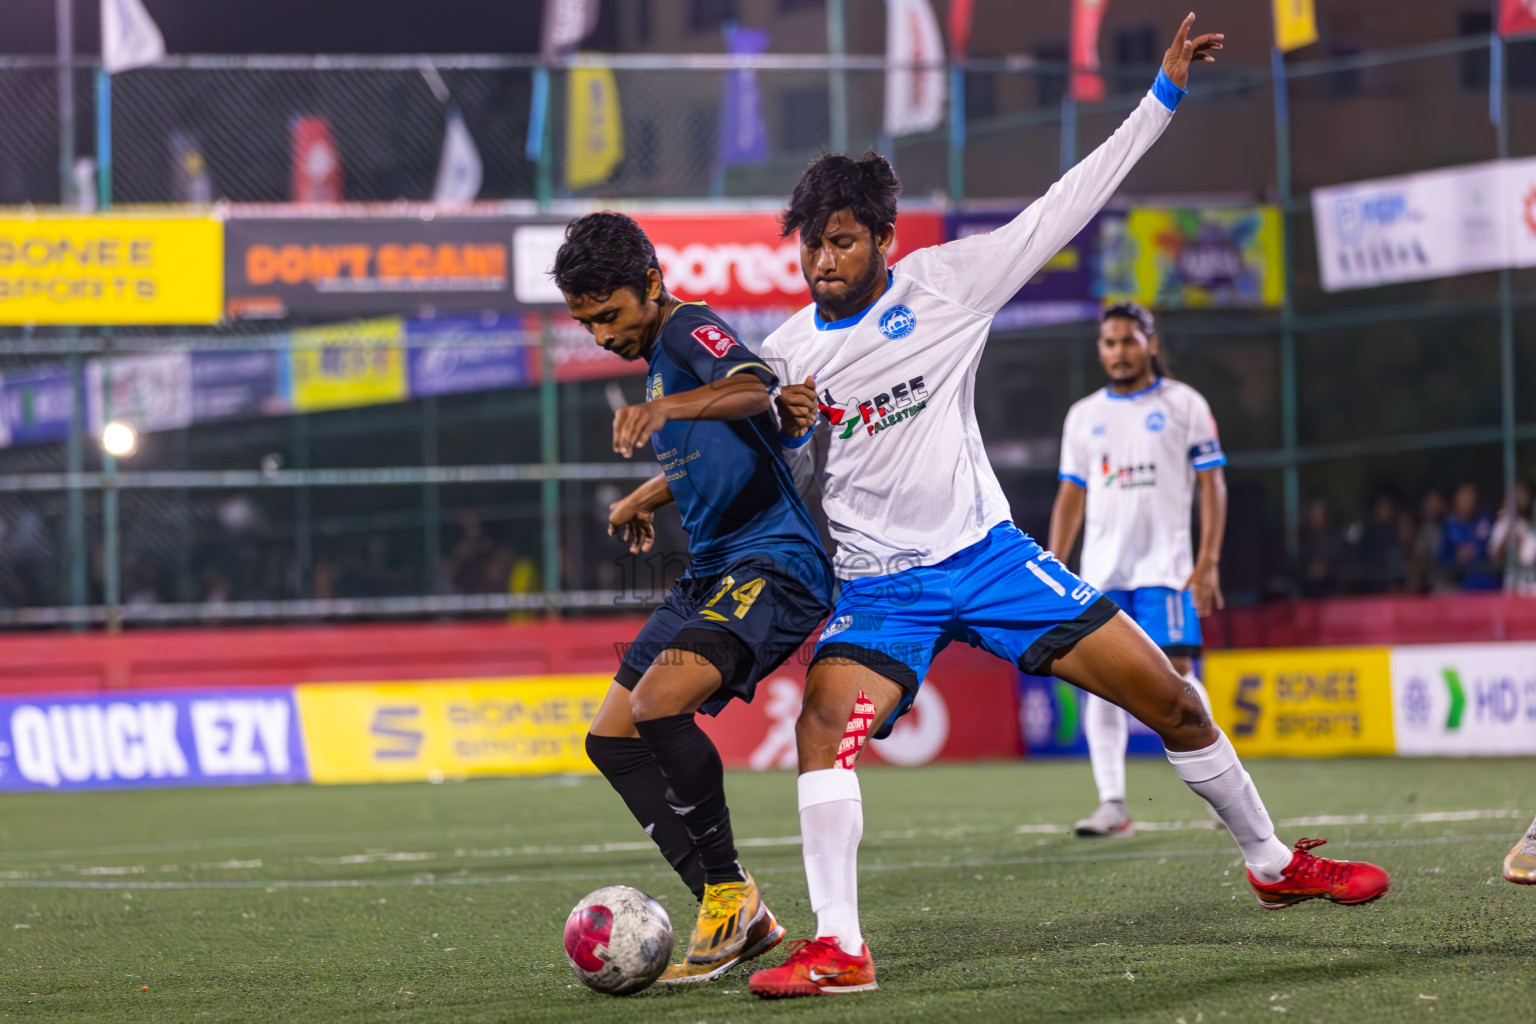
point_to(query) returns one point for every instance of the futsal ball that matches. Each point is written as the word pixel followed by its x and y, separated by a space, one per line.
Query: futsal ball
pixel 619 940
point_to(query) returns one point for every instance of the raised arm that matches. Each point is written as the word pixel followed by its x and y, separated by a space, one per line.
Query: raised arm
pixel 984 271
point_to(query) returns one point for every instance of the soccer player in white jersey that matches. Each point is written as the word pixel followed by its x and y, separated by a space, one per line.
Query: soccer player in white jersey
pixel 926 547
pixel 1132 453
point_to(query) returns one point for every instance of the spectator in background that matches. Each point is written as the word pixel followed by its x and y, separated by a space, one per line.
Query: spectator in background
pixel 1379 547
pixel 1321 552
pixel 1425 571
pixel 1522 537
pixel 1464 543
pixel 477 564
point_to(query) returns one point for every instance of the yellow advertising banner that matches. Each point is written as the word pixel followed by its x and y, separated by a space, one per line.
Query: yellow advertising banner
pixel 1295 24
pixel 347 365
pixel 1312 702
pixel 448 729
pixel 594 131
pixel 108 269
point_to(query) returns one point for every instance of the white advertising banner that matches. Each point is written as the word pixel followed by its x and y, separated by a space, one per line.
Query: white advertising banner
pixel 1520 188
pixel 1464 699
pixel 1460 220
pixel 149 392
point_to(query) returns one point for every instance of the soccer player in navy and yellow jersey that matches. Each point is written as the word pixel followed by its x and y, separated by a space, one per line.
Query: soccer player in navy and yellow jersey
pixel 758 585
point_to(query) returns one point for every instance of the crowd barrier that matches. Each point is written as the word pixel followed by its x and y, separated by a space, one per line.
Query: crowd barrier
pixel 397 704
pixel 454 701
pixel 1459 700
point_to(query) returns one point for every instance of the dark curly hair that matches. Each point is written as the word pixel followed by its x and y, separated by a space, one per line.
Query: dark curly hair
pixel 1143 318
pixel 868 186
pixel 602 253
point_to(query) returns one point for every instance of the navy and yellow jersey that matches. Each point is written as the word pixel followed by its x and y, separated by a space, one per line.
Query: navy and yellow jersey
pixel 728 477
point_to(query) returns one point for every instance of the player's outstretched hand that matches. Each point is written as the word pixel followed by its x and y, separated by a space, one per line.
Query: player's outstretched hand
pixel 797 408
pixel 633 426
pixel 633 526
pixel 1205 586
pixel 1185 50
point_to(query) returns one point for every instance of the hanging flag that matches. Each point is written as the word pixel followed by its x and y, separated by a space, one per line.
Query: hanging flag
pixel 594 136
pixel 914 71
pixel 129 37
pixel 959 29
pixel 316 162
pixel 1087 83
pixel 743 134
pixel 1295 24
pixel 459 172
pixel 1517 17
pixel 566 23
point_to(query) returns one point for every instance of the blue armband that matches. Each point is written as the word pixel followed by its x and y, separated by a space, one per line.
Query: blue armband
pixel 793 443
pixel 1166 92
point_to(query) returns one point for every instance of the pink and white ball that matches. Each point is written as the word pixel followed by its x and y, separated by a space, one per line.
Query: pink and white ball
pixel 619 940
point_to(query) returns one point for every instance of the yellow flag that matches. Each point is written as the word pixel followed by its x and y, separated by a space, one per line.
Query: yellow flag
pixel 594 132
pixel 1295 24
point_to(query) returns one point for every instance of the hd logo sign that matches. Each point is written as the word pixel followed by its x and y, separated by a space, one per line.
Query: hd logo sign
pixel 1319 702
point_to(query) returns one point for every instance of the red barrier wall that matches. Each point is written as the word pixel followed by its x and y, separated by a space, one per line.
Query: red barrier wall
pixel 38 663
pixel 44 662
pixel 968 711
pixel 1345 621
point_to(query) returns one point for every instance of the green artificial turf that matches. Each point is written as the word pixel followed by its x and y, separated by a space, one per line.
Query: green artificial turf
pixel 446 903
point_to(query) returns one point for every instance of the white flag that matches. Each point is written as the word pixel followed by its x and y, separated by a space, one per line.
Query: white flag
pixel 129 36
pixel 460 171
pixel 566 23
pixel 914 97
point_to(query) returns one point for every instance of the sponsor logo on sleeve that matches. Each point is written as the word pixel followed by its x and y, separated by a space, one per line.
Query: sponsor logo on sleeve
pixel 715 341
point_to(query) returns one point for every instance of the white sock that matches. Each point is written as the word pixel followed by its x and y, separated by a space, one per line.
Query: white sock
pixel 1205 698
pixel 1216 774
pixel 1107 732
pixel 831 825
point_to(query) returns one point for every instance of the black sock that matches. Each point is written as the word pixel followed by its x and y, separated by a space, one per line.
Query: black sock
pixel 692 765
pixel 629 767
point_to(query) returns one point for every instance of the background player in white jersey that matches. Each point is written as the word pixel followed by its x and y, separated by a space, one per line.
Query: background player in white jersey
pixel 1133 452
pixel 926 546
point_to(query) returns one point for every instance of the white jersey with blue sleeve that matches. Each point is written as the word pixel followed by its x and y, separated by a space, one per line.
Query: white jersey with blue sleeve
pixel 904 475
pixel 1137 455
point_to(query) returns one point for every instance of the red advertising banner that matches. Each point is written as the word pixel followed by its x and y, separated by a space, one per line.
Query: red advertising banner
pixel 967 710
pixel 317 172
pixel 738 260
pixel 1087 83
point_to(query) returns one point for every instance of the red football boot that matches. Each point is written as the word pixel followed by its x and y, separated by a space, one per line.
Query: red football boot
pixel 816 967
pixel 1307 877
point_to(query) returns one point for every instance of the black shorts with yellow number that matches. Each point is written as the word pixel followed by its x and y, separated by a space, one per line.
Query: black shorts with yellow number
pixel 745 620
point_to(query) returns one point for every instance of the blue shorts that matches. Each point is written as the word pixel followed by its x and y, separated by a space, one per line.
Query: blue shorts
pixel 1004 594
pixel 1166 615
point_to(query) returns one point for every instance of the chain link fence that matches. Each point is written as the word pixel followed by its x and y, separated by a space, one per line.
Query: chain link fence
pixel 495 503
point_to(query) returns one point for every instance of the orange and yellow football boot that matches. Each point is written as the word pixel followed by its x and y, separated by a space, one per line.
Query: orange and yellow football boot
pixel 763 934
pixel 1309 877
pixel 816 967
